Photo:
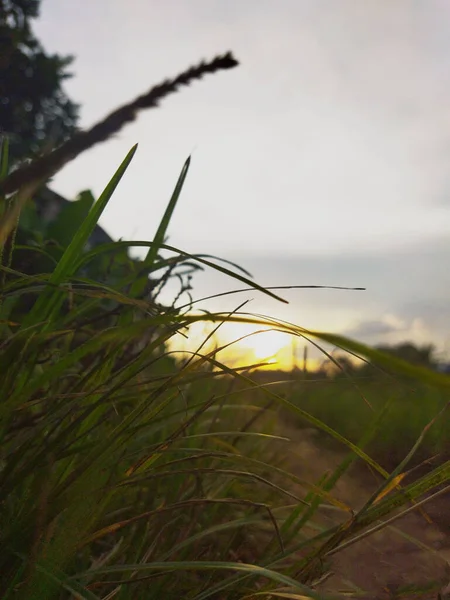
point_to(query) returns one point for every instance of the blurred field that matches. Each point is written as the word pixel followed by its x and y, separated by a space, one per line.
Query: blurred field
pixel 351 405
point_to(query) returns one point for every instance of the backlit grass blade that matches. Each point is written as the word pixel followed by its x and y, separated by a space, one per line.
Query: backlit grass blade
pixel 4 157
pixel 161 263
pixel 50 300
pixel 252 570
pixel 139 285
pixel 200 258
pixel 387 523
pixel 330 481
pixel 392 363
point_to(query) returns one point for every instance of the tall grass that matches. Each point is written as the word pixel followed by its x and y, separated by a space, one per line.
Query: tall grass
pixel 129 472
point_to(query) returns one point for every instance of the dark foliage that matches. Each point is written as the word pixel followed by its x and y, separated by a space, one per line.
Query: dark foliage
pixel 34 110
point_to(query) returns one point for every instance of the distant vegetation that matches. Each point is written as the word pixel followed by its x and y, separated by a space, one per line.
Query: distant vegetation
pixel 35 111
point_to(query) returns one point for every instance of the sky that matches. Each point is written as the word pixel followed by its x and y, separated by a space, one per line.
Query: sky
pixel 321 160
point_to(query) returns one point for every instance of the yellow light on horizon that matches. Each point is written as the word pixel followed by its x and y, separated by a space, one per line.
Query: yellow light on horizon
pixel 246 344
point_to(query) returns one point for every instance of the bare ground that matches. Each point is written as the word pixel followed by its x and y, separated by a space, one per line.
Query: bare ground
pixel 377 566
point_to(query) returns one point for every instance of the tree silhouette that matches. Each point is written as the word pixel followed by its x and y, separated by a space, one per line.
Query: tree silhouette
pixel 34 110
pixel 416 355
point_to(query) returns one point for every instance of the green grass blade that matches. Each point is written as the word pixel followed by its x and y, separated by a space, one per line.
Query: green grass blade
pixel 252 570
pixel 4 158
pixel 194 257
pixel 139 285
pixel 50 301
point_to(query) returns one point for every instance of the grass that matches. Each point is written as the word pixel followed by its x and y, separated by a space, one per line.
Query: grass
pixel 405 408
pixel 129 472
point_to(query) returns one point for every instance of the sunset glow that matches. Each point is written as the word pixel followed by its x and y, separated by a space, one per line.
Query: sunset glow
pixel 246 344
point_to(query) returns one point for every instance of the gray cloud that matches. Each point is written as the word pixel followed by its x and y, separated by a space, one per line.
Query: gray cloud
pixel 373 330
pixel 406 295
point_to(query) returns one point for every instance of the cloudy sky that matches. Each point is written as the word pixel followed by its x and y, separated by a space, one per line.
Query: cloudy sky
pixel 322 159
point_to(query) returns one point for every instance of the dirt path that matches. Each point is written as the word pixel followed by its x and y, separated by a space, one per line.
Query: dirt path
pixel 376 566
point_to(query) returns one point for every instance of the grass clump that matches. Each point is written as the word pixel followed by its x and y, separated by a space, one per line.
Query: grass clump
pixel 110 480
pixel 127 471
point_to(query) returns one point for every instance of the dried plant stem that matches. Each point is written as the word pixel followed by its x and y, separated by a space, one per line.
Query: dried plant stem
pixel 47 165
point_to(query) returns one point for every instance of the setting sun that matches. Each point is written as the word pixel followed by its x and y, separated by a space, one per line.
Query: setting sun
pixel 246 344
pixel 266 344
